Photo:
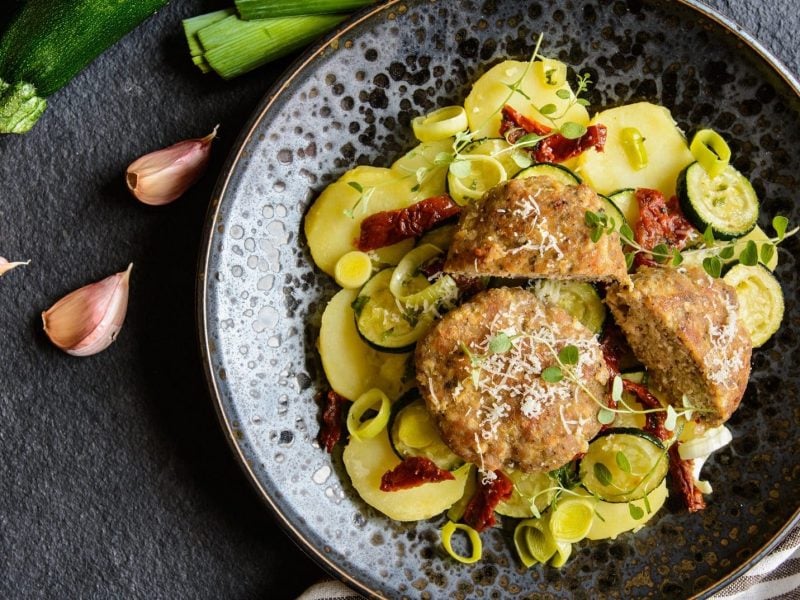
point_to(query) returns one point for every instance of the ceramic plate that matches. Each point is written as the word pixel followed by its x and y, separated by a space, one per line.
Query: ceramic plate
pixel 349 101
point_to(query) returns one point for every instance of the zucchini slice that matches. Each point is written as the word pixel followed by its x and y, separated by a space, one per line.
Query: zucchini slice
pixel 558 172
pixel 760 300
pixel 578 298
pixel 626 203
pixel 381 320
pixel 613 212
pixel 623 465
pixel 727 203
pixel 412 432
pixel 529 488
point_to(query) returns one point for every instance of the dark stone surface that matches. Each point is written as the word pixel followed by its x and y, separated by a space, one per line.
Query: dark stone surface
pixel 116 479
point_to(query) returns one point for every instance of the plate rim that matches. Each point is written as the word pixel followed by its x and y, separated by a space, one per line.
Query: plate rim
pixel 271 96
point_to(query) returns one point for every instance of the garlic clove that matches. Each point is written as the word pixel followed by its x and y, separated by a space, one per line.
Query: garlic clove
pixel 6 266
pixel 164 175
pixel 88 320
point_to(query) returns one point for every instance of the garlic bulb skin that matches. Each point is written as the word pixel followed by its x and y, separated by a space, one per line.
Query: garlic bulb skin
pixel 88 320
pixel 6 266
pixel 162 176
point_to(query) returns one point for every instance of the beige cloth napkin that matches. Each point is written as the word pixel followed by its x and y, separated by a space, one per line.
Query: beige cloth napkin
pixel 777 576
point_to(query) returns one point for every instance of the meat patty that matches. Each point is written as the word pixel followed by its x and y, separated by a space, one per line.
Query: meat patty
pixel 684 326
pixel 535 227
pixel 480 373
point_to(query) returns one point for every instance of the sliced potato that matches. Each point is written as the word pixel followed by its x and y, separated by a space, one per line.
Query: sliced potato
pixel 491 91
pixel 367 460
pixel 351 366
pixel 667 151
pixel 333 222
pixel 616 517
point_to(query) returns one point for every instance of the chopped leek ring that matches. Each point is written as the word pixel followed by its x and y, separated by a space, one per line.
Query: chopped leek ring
pixel 440 124
pixel 475 540
pixel 534 535
pixel 563 551
pixel 353 270
pixel 521 544
pixel 370 399
pixel 484 172
pixel 416 428
pixel 405 274
pixel 711 151
pixel 571 519
pixel 633 143
pixel 551 72
pixel 700 447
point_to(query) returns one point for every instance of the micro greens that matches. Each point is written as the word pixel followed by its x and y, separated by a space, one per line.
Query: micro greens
pixel 714 253
pixel 363 197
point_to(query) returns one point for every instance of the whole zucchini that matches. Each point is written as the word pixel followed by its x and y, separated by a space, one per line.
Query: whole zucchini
pixel 48 42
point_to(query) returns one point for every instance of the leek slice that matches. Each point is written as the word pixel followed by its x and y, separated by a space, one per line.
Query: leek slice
pixel 472 175
pixel 353 270
pixel 371 427
pixel 440 124
pixel 475 541
pixel 571 519
pixel 711 151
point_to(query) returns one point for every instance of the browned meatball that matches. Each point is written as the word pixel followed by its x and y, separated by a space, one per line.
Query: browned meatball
pixel 535 227
pixel 683 325
pixel 480 372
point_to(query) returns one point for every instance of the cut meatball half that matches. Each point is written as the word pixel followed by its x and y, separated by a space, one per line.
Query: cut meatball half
pixel 480 371
pixel 684 326
pixel 532 228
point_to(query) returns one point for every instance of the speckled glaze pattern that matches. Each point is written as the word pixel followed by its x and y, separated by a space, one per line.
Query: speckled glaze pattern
pixel 350 101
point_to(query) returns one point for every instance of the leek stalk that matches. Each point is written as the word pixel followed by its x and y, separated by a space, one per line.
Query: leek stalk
pixel 268 9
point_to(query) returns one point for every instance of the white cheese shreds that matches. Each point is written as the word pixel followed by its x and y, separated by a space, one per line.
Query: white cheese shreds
pixel 720 363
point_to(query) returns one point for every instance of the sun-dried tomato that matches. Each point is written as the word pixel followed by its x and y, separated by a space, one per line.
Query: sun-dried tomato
pixel 555 147
pixel 660 222
pixel 412 472
pixel 479 513
pixel 683 481
pixel 331 431
pixel 392 226
pixel 467 286
pixel 614 346
pixel 654 421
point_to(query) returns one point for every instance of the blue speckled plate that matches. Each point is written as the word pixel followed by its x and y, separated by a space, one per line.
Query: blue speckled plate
pixel 349 101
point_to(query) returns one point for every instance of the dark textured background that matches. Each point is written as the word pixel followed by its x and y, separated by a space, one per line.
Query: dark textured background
pixel 116 479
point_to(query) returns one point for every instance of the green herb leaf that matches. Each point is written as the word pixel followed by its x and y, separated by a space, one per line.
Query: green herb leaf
pixel 444 158
pixel 605 416
pixel 726 253
pixel 359 303
pixel 572 131
pixel 767 252
pixel 552 374
pixel 617 388
pixel 591 218
pixel 647 505
pixel 779 224
pixel 626 232
pixel 749 255
pixel 548 109
pixel 569 355
pixel 622 462
pixel 712 265
pixel 582 102
pixel 636 512
pixel 563 93
pixel 677 257
pixel 415 188
pixel 596 234
pixel 708 236
pixel 661 253
pixel 602 474
pixel 529 139
pixel 629 256
pixel 356 186
pixel 500 343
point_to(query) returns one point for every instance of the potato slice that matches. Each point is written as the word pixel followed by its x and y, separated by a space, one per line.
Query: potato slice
pixel 333 222
pixel 667 151
pixel 351 366
pixel 418 166
pixel 367 460
pixel 489 94
pixel 616 517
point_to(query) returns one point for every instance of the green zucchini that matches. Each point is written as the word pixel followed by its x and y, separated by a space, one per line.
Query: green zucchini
pixel 558 172
pixel 727 203
pixel 578 298
pixel 613 212
pixel 623 464
pixel 760 300
pixel 626 203
pixel 381 321
pixel 412 432
pixel 48 42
